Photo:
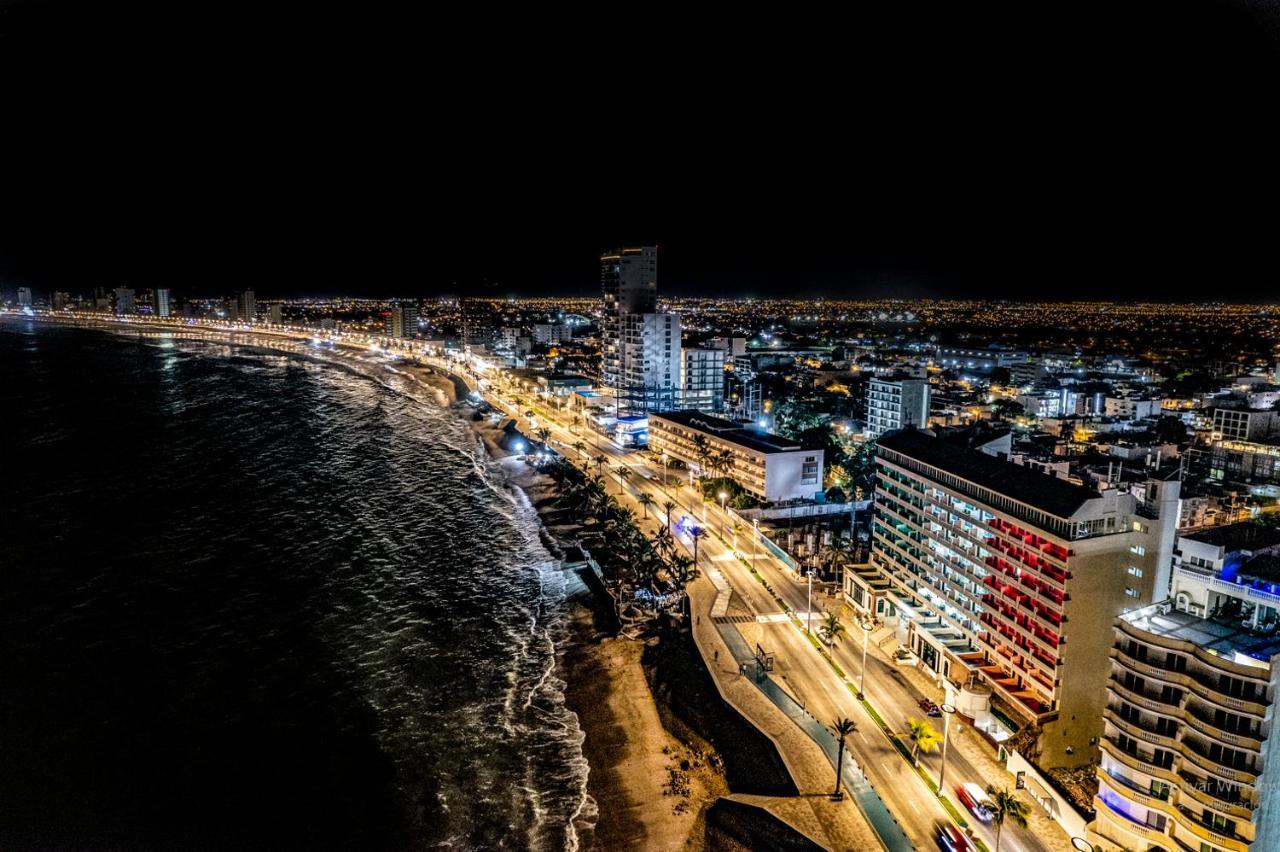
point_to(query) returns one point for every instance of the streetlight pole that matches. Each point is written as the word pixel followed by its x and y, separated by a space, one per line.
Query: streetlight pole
pixel 808 628
pixel 862 676
pixel 947 711
pixel 755 539
pixel 724 526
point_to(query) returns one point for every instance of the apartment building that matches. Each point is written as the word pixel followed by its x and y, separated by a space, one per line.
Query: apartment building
pixel 1187 745
pixel 769 466
pixel 702 379
pixel 896 404
pixel 1011 577
pixel 1245 424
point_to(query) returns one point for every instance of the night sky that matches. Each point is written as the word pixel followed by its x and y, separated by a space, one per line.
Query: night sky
pixel 1078 151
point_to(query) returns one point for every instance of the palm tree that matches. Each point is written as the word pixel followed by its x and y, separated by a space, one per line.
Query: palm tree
pixel 645 500
pixel 701 449
pixel 577 421
pixel 668 507
pixel 662 541
pixel 581 447
pixel 841 728
pixel 697 533
pixel 683 572
pixel 724 461
pixel 599 463
pixel 831 630
pixel 544 435
pixel 624 473
pixel 923 737
pixel 1004 805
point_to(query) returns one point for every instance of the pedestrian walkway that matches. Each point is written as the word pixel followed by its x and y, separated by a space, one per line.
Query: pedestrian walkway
pixel 833 825
pixel 720 607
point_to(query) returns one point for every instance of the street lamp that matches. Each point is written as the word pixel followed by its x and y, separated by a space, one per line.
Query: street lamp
pixel 808 623
pixel 1082 845
pixel 862 676
pixel 755 538
pixel 724 530
pixel 947 712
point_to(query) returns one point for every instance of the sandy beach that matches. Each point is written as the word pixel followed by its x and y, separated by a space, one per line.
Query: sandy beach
pixel 651 787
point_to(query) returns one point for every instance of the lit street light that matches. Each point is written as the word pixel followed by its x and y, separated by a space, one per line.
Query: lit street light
pixel 947 711
pixel 862 676
pixel 755 538
pixel 808 622
pixel 724 530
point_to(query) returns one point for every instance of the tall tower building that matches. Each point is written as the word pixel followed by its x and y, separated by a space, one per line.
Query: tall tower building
pixel 162 302
pixel 248 306
pixel 24 297
pixel 995 573
pixel 124 300
pixel 629 287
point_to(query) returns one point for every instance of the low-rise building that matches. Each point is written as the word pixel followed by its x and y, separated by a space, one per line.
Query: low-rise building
pixel 1245 424
pixel 769 466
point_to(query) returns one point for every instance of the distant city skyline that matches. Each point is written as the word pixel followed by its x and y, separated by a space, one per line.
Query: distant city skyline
pixel 1116 152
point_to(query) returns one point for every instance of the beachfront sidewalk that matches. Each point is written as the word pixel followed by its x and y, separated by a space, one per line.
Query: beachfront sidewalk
pixel 835 825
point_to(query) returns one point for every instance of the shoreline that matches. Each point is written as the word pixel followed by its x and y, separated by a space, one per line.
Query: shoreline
pixel 651 790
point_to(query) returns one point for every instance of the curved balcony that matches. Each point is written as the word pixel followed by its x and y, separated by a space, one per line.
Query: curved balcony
pixel 1146 702
pixel 1239 705
pixel 1208 729
pixel 1226 773
pixel 1151 835
pixel 1192 787
pixel 1133 794
pixel 1211 662
pixel 1178 679
pixel 1134 731
pixel 1138 764
pixel 1190 822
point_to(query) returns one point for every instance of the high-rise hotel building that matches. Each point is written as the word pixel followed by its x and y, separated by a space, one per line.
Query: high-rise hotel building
pixel 1188 760
pixel 640 348
pixel 1004 575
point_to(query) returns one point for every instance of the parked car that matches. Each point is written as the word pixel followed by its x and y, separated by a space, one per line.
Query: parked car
pixel 929 707
pixel 975 799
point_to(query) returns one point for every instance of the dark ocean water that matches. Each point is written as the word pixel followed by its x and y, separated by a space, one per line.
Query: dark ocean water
pixel 255 600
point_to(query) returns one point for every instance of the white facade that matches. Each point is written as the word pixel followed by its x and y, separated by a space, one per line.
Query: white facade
pixel 162 302
pixel 702 379
pixel 1131 409
pixel 1244 424
pixel 1187 749
pixel 769 466
pixel 629 287
pixel 896 404
pixel 549 334
pixel 648 363
pixel 24 297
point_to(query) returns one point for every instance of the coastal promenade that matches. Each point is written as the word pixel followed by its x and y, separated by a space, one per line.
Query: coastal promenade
pixel 757 599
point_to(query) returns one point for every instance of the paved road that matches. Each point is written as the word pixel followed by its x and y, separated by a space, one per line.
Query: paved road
pixel 799 667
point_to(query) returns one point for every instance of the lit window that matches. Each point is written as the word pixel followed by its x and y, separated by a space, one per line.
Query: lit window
pixel 1131 592
pixel 1135 571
